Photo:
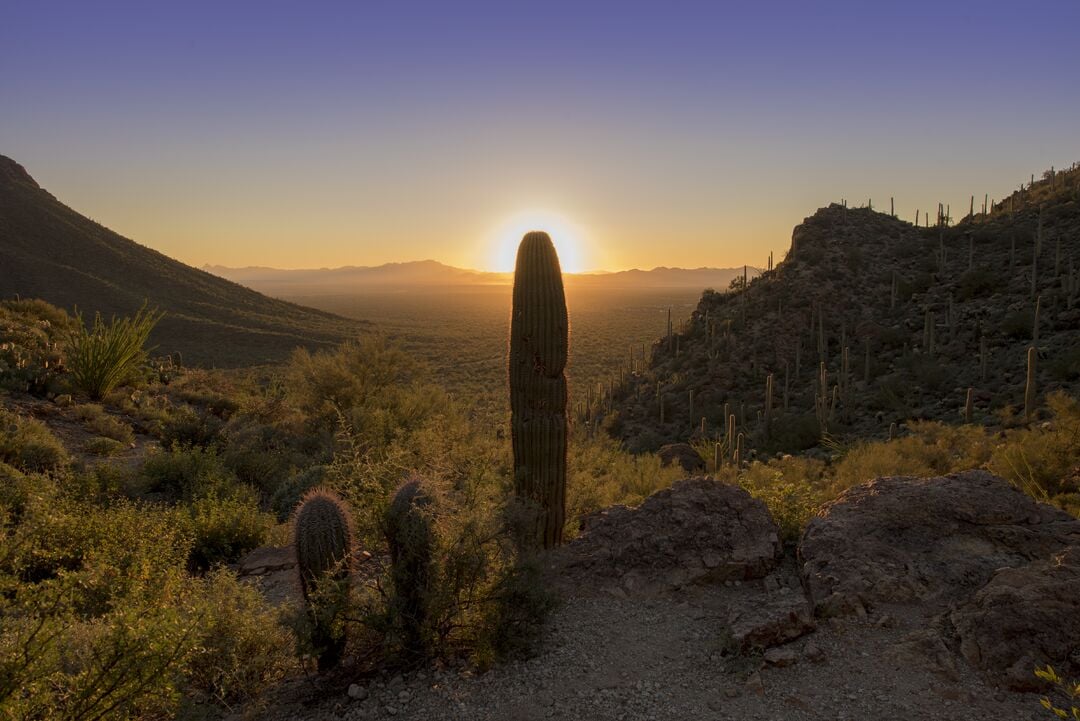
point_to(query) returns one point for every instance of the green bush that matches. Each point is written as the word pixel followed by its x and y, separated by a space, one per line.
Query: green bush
pixel 1042 461
pixel 104 356
pixel 187 474
pixel 224 529
pixel 242 646
pixel 28 444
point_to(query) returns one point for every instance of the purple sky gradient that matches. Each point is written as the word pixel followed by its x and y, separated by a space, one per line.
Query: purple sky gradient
pixel 676 133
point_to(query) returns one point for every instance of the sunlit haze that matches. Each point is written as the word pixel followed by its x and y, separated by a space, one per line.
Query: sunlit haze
pixel 637 134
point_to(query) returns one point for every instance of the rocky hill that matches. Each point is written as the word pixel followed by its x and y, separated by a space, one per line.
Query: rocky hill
pixel 871 321
pixel 49 251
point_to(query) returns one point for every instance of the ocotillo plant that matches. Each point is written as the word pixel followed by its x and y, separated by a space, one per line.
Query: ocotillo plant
pixel 411 538
pixel 323 538
pixel 539 347
pixel 968 406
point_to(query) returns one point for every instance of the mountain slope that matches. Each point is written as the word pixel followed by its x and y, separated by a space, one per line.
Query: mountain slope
pixel 49 251
pixel 923 313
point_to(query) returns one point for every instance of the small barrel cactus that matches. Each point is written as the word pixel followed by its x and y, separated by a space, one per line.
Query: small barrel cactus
pixel 539 346
pixel 411 537
pixel 323 538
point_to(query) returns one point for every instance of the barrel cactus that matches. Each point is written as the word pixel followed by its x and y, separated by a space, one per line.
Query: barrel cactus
pixel 411 538
pixel 323 537
pixel 539 346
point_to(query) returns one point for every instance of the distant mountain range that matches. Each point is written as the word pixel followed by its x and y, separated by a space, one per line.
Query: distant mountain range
pixel 434 276
pixel 49 251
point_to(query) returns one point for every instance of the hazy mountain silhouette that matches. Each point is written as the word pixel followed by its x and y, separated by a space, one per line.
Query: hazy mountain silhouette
pixel 49 251
pixel 432 275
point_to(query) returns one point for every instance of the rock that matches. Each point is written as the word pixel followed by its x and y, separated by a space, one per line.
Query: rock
pixel 697 531
pixel 761 622
pixel 1023 618
pixel 898 540
pixel 267 559
pixel 780 657
pixel 813 652
pixel 357 692
pixel 273 570
pixel 683 455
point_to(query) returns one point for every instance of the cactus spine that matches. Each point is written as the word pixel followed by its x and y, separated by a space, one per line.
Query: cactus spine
pixel 411 539
pixel 539 347
pixel 323 539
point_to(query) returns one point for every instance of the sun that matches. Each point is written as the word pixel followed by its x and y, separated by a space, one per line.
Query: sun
pixel 564 234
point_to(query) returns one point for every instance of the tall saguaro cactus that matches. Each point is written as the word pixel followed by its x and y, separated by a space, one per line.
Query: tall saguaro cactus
pixel 539 346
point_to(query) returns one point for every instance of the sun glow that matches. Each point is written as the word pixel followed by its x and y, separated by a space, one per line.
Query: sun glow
pixel 564 234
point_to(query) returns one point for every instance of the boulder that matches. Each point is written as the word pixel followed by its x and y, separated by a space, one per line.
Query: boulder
pixel 1025 617
pixel 933 540
pixel 682 455
pixel 770 620
pixel 697 531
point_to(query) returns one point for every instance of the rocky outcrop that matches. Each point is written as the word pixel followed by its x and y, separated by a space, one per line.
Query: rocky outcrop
pixel 697 531
pixel 682 455
pixel 932 540
pixel 1023 618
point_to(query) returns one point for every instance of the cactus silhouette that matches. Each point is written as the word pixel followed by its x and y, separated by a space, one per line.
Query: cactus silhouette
pixel 323 538
pixel 411 538
pixel 539 345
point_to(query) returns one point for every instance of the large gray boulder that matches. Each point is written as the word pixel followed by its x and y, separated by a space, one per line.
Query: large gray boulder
pixel 932 540
pixel 697 531
pixel 1023 618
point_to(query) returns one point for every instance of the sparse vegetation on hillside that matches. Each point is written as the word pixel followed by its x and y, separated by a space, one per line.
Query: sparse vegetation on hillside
pixel 932 313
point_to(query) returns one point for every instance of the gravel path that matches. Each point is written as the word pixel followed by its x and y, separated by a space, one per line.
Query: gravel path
pixel 608 658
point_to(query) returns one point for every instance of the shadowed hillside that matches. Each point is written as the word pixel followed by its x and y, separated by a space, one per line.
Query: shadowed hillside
pixel 902 321
pixel 49 251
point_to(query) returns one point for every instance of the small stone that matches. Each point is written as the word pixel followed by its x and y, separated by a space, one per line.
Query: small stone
pixel 780 657
pixel 813 652
pixel 357 692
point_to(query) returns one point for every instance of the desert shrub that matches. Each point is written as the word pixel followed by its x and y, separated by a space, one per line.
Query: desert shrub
pixel 28 444
pixel 97 420
pixel 242 647
pixel 928 371
pixel 929 449
pixel 791 432
pixel 286 496
pixel 600 474
pixel 104 356
pixel 100 446
pixel 224 529
pixel 326 383
pixel 187 474
pixel 187 428
pixel 792 488
pixel 57 663
pixel 1018 323
pixel 122 630
pixel 1042 461
pixel 977 283
pixel 1065 365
